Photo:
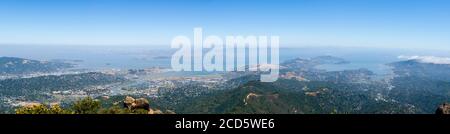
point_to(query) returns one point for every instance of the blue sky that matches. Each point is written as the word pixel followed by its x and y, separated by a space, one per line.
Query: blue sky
pixel 372 23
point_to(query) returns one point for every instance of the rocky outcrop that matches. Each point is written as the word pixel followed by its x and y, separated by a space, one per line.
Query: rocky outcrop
pixel 443 109
pixel 142 103
pixel 134 104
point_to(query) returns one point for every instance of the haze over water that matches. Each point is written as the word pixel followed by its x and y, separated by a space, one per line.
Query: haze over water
pixel 138 57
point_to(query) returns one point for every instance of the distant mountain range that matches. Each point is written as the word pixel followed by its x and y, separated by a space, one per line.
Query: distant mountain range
pixel 416 68
pixel 307 64
pixel 13 65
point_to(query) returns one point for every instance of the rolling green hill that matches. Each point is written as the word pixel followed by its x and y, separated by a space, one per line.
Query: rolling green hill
pixel 291 97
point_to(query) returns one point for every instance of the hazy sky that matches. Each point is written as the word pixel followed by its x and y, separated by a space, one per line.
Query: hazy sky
pixel 379 23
